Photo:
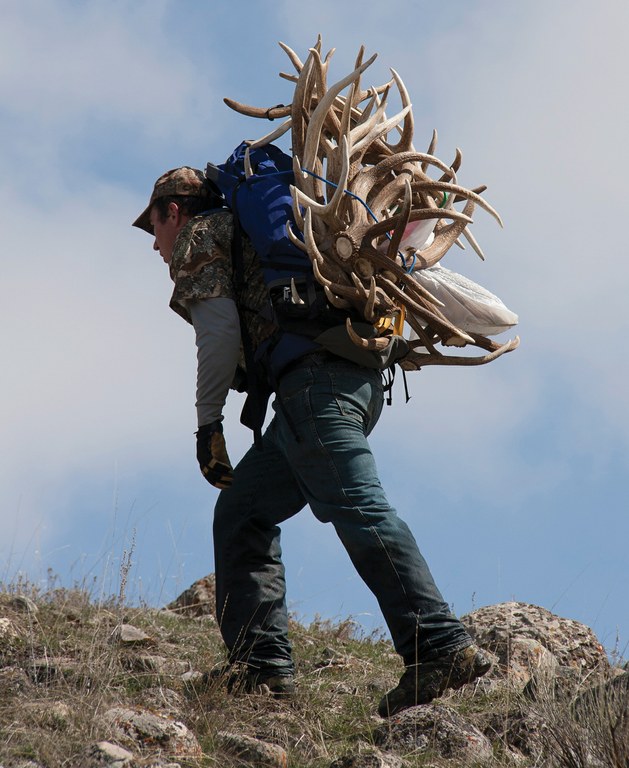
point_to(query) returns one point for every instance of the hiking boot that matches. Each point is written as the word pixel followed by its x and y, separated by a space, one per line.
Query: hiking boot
pixel 277 685
pixel 421 683
pixel 261 681
pixel 247 680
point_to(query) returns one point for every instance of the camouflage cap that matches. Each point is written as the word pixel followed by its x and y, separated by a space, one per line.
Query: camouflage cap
pixel 179 181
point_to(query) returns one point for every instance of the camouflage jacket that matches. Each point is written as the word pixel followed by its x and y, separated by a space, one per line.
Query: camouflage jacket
pixel 201 268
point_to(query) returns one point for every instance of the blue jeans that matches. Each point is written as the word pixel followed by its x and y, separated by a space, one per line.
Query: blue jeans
pixel 315 452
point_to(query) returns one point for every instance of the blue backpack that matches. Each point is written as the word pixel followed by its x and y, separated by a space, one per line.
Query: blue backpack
pixel 262 205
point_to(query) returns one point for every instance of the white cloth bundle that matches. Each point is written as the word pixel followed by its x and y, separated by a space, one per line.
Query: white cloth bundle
pixel 467 304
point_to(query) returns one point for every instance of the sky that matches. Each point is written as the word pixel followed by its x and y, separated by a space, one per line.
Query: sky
pixel 513 476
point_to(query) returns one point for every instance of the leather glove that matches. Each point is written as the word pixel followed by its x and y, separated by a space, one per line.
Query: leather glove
pixel 212 455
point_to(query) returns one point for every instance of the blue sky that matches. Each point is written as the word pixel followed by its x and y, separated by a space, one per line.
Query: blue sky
pixel 513 476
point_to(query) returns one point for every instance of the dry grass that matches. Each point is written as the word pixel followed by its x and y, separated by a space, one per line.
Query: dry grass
pixel 62 668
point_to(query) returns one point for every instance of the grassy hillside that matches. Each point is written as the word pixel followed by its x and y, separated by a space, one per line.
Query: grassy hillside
pixel 85 683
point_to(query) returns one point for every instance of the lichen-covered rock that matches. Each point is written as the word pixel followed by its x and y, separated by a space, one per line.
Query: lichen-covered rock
pixel 13 681
pixel 7 630
pixel 150 664
pixel 152 730
pixel 107 755
pixel 250 751
pixel 23 604
pixel 371 758
pixel 436 729
pixel 502 628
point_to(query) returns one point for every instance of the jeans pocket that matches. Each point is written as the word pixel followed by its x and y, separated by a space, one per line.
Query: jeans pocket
pixel 358 398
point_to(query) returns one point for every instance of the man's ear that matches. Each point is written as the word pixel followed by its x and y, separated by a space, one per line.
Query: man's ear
pixel 174 212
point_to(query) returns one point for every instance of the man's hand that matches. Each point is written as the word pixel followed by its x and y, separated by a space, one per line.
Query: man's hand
pixel 212 455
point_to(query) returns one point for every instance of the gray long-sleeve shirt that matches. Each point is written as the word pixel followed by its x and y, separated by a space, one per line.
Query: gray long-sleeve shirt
pixel 217 330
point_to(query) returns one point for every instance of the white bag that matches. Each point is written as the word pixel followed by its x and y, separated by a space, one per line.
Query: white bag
pixel 467 304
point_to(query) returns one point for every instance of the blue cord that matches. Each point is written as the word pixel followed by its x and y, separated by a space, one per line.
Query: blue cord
pixel 369 211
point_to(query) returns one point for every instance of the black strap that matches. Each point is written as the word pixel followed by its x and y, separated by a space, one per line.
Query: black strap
pixel 388 377
pixel 253 407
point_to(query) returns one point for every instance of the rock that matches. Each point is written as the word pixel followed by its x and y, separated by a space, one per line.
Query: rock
pixel 528 657
pixel 130 636
pixel 250 751
pixel 156 665
pixel 436 729
pixel 13 680
pixel 194 679
pixel 502 629
pixel 152 729
pixel 198 600
pixel 371 758
pixel 54 715
pixel 7 630
pixel 165 700
pixel 48 669
pixel 23 604
pixel 107 754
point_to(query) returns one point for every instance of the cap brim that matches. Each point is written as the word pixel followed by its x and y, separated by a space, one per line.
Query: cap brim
pixel 144 220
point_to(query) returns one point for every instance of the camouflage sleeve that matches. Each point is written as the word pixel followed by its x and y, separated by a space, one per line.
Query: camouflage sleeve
pixel 201 264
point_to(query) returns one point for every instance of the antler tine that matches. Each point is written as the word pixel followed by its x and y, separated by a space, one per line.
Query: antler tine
pixel 377 343
pixel 279 131
pixel 403 218
pixel 433 144
pixel 377 131
pixel 299 111
pixel 461 192
pixel 280 110
pixel 473 242
pixel 432 316
pixel 315 254
pixel 444 240
pixel 415 360
pixel 335 300
pixel 405 143
pixel 364 127
pixel 456 163
pixel 355 89
pixel 326 102
pixel 369 177
pixel 294 58
pixel 329 211
pixel 295 240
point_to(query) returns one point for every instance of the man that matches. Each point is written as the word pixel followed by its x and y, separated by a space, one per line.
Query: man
pixel 314 452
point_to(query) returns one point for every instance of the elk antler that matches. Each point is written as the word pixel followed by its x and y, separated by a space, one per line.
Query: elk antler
pixel 356 195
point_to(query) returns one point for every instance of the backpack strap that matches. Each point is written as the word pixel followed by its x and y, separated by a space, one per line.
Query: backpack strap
pixel 258 392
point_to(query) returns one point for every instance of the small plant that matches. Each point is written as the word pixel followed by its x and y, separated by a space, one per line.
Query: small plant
pixel 125 567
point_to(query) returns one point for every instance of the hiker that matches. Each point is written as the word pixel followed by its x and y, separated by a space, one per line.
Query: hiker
pixel 314 452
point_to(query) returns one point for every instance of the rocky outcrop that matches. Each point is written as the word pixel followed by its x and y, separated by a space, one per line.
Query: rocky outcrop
pixel 528 640
pixel 199 600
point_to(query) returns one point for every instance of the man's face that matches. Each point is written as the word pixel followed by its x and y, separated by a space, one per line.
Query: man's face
pixel 166 231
